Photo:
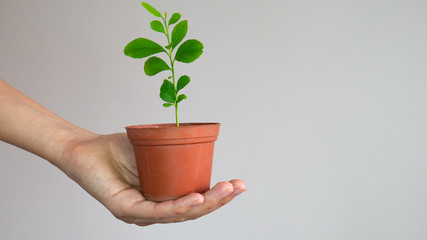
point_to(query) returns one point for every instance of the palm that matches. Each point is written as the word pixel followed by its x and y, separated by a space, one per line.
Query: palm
pixel 122 157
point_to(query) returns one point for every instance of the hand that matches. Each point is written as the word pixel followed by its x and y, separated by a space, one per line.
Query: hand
pixel 104 165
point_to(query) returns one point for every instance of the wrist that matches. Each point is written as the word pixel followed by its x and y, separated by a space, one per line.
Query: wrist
pixel 68 140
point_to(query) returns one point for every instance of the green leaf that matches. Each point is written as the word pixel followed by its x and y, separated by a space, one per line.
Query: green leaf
pixel 167 105
pixel 181 97
pixel 157 26
pixel 167 92
pixel 175 18
pixel 189 51
pixel 152 10
pixel 155 65
pixel 178 33
pixel 182 82
pixel 142 47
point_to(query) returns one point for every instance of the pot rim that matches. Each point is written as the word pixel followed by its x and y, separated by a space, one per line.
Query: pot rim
pixel 170 134
pixel 168 126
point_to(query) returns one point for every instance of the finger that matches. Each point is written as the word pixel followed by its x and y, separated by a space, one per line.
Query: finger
pixel 168 211
pixel 213 198
pixel 219 192
pixel 216 197
pixel 239 187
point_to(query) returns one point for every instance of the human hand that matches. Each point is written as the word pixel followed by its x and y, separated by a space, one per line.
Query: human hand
pixel 104 165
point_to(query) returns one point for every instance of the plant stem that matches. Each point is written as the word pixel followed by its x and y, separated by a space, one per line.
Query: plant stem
pixel 172 69
pixel 176 114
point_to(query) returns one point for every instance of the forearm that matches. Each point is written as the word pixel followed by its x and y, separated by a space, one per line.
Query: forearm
pixel 28 125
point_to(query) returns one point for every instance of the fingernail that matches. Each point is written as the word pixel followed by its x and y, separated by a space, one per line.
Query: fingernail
pixel 196 203
pixel 226 193
pixel 238 191
pixel 235 193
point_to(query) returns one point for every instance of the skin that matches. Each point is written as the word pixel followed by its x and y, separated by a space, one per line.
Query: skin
pixel 103 165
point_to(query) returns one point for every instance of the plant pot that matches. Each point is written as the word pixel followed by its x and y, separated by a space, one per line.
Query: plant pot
pixel 173 161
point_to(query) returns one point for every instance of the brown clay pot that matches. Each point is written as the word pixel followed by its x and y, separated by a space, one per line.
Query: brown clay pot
pixel 173 161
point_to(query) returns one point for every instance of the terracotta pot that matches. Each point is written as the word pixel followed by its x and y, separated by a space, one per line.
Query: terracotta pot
pixel 173 161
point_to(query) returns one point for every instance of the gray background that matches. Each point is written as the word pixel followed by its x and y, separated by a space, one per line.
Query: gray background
pixel 322 105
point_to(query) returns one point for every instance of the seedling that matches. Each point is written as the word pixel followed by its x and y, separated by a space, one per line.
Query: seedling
pixel 186 52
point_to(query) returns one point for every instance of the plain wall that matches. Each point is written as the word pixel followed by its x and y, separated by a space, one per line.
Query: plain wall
pixel 322 105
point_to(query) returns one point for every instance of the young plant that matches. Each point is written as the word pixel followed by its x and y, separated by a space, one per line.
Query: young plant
pixel 186 52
